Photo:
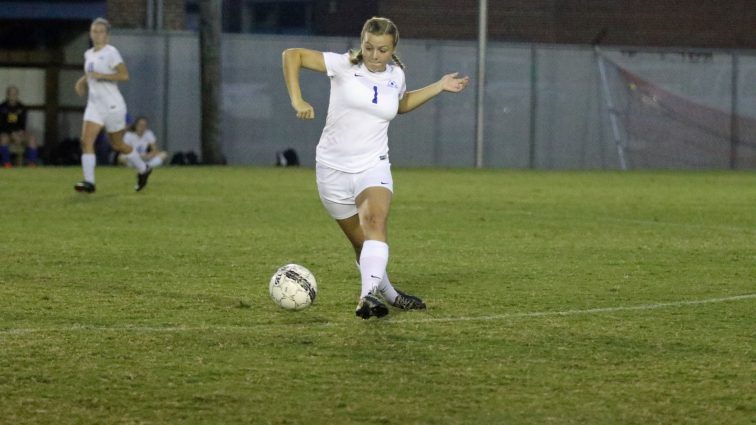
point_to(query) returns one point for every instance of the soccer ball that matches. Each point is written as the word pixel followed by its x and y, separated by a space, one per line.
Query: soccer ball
pixel 293 287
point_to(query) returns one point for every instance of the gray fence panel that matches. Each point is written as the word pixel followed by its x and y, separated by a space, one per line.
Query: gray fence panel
pixel 569 116
pixel 544 105
pixel 145 90
pixel 182 102
pixel 745 105
pixel 508 103
pixel 258 119
pixel 441 132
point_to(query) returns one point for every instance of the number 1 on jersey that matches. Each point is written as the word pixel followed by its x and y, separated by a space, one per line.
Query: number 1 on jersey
pixel 375 94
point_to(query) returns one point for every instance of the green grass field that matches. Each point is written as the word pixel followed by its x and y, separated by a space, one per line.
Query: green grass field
pixel 554 297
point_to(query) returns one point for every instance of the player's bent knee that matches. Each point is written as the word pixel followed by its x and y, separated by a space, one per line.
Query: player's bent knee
pixel 373 225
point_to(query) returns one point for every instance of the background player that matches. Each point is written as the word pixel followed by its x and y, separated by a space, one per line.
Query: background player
pixel 104 67
pixel 141 138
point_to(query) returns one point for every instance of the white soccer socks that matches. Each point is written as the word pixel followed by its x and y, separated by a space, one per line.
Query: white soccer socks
pixel 155 162
pixel 386 288
pixel 136 161
pixel 88 162
pixel 373 261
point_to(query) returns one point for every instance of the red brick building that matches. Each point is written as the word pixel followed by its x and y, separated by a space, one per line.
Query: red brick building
pixel 140 13
pixel 685 23
pixel 695 23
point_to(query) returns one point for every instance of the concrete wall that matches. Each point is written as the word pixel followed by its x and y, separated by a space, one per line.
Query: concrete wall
pixel 545 106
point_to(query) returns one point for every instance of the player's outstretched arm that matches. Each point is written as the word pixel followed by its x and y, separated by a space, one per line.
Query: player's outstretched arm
pixel 293 61
pixel 416 98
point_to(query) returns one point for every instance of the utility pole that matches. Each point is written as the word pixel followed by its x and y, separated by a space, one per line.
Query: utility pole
pixel 480 111
pixel 210 75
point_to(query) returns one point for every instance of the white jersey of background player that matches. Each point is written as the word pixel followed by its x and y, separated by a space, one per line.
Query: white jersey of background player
pixel 104 97
pixel 140 143
pixel 103 68
pixel 353 171
pixel 143 140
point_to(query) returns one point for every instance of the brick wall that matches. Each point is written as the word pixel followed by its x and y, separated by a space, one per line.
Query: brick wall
pixel 133 13
pixel 174 14
pixel 127 13
pixel 687 23
pixel 342 17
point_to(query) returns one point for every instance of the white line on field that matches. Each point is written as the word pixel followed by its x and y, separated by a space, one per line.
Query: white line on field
pixel 170 329
pixel 579 312
pixel 610 219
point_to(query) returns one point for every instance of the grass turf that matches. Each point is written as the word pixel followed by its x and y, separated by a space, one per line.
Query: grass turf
pixel 554 297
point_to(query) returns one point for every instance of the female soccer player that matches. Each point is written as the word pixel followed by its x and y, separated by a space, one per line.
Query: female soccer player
pixel 103 68
pixel 141 138
pixel 353 171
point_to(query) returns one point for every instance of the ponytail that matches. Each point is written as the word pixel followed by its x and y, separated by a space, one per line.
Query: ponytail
pixel 398 63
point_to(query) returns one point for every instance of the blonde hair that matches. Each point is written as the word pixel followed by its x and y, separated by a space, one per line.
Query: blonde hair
pixel 377 26
pixel 101 21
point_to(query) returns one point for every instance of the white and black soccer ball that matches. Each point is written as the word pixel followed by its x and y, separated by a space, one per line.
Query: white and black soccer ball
pixel 293 287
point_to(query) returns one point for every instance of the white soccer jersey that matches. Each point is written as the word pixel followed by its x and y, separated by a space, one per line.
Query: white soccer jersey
pixel 139 143
pixel 103 94
pixel 361 105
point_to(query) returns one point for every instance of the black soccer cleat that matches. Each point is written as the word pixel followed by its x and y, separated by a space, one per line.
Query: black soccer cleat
pixel 370 306
pixel 85 187
pixel 408 302
pixel 142 179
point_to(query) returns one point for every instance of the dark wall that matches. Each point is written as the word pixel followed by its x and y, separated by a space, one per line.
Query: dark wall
pixel 342 18
pixel 687 23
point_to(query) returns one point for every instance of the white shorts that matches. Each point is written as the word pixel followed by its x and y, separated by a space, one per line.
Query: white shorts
pixel 113 119
pixel 338 190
